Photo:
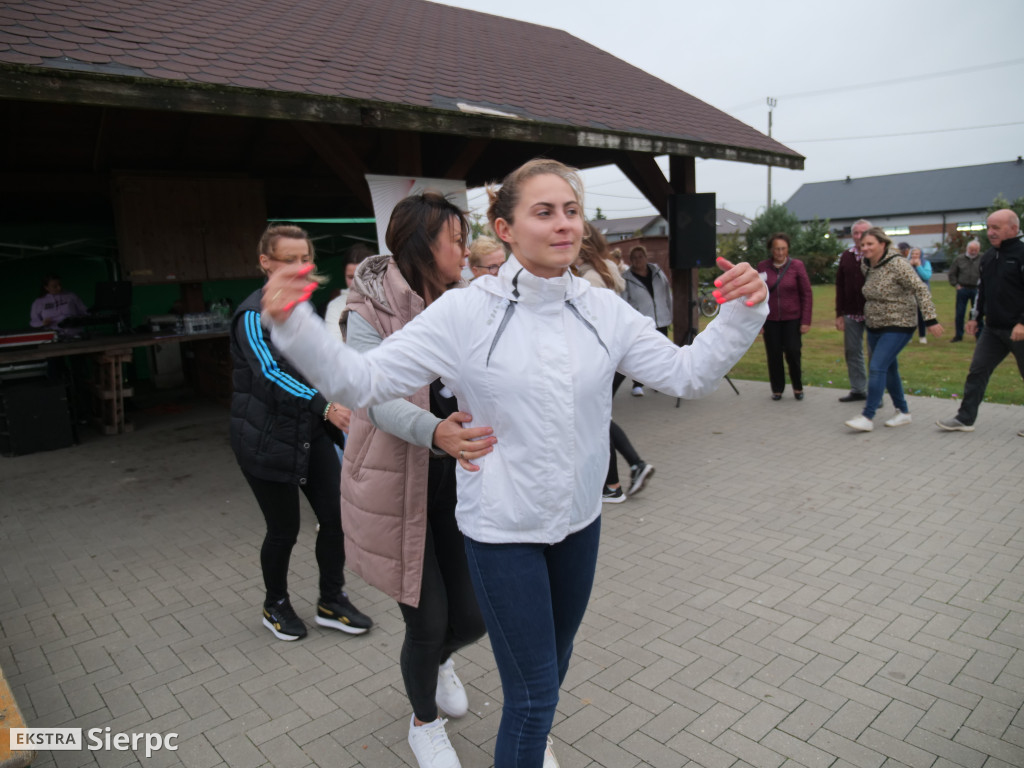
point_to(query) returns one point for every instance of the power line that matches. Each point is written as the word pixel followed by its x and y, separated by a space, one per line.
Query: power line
pixel 911 133
pixel 877 83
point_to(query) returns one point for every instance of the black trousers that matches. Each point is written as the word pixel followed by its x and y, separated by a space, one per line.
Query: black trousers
pixel 782 340
pixel 993 346
pixel 447 617
pixel 279 503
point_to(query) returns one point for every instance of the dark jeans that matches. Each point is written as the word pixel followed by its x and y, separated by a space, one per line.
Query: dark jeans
pixel 620 443
pixel 279 503
pixel 884 370
pixel 533 597
pixel 782 339
pixel 993 346
pixel 447 617
pixel 964 296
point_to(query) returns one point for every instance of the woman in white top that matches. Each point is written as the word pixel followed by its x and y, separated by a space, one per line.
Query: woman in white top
pixel 530 352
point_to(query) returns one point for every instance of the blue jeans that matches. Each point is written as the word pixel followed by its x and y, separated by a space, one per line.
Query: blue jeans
pixel 884 370
pixel 533 597
pixel 964 296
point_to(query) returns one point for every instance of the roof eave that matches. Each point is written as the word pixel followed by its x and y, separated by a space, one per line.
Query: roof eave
pixel 33 83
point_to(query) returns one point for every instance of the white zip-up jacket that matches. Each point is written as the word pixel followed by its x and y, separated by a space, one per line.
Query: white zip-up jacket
pixel 533 358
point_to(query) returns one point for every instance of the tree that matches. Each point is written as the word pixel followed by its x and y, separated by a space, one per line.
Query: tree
pixel 817 248
pixel 478 225
pixel 812 243
pixel 776 218
pixel 599 215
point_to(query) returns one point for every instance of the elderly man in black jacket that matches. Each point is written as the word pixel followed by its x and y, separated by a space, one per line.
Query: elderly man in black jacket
pixel 1001 304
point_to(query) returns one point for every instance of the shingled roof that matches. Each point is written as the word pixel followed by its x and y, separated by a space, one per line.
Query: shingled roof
pixel 944 190
pixel 385 54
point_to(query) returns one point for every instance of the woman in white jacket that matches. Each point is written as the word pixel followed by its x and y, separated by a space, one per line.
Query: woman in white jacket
pixel 531 353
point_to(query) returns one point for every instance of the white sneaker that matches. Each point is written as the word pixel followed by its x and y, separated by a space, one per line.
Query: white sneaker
pixel 450 695
pixel 923 339
pixel 638 391
pixel 430 745
pixel 549 756
pixel 861 424
pixel 898 419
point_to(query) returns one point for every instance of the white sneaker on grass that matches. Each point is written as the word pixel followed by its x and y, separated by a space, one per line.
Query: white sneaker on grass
pixel 450 695
pixel 430 745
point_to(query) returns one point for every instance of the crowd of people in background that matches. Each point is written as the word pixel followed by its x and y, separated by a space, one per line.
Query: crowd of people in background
pixel 420 369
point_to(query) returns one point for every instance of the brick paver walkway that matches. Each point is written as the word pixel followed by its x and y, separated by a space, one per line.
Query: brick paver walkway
pixel 784 593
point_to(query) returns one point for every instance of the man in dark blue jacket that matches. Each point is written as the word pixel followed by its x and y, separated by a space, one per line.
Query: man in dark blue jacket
pixel 1001 304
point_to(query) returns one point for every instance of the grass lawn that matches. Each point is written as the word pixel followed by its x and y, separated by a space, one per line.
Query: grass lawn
pixel 937 368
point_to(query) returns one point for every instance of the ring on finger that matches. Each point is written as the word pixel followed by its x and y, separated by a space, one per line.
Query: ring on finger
pixel 462 455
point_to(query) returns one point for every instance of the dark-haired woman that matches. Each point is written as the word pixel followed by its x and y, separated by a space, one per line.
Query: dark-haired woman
pixel 282 433
pixel 789 314
pixel 398 479
pixel 532 352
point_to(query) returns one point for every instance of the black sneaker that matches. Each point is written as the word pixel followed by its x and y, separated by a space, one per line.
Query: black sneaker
pixel 280 619
pixel 339 613
pixel 613 495
pixel 638 476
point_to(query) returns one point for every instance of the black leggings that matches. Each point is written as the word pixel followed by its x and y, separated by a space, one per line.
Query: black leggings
pixel 448 617
pixel 279 503
pixel 619 441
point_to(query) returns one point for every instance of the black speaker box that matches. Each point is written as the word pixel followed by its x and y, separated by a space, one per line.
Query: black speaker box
pixel 34 417
pixel 691 230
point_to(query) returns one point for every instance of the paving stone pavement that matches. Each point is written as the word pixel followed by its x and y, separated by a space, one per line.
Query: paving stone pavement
pixel 783 593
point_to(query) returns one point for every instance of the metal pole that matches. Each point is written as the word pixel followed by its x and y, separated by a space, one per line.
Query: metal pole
pixel 771 105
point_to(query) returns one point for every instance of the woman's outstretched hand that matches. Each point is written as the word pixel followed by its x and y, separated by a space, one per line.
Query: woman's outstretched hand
pixel 287 287
pixel 739 281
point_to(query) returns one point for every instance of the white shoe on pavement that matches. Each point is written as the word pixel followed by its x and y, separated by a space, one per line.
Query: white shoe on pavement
pixel 549 755
pixel 898 419
pixel 430 745
pixel 450 695
pixel 638 391
pixel 861 424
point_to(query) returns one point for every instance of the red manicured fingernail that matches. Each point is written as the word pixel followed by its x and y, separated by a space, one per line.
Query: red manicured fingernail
pixel 718 283
pixel 289 305
pixel 719 299
pixel 306 269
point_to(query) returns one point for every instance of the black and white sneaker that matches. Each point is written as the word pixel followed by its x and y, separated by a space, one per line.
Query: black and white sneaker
pixel 613 495
pixel 339 613
pixel 280 618
pixel 638 476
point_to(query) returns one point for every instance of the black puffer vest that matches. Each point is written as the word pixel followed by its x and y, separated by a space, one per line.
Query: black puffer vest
pixel 275 413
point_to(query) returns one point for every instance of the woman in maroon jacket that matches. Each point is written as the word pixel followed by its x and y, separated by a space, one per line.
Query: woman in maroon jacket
pixel 789 314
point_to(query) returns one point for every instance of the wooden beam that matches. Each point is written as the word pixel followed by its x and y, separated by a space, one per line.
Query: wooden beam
pixel 339 157
pixel 468 157
pixel 646 176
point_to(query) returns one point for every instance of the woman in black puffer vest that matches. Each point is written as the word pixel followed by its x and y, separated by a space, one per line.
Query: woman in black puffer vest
pixel 282 432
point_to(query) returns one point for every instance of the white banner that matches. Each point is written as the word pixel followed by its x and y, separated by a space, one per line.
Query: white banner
pixel 388 191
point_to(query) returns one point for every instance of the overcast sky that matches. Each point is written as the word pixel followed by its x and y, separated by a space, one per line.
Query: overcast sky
pixel 931 67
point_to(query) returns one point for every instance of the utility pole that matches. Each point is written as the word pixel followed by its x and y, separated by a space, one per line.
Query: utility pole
pixel 771 105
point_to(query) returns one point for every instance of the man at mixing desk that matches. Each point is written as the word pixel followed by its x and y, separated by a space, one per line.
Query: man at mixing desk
pixel 54 306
